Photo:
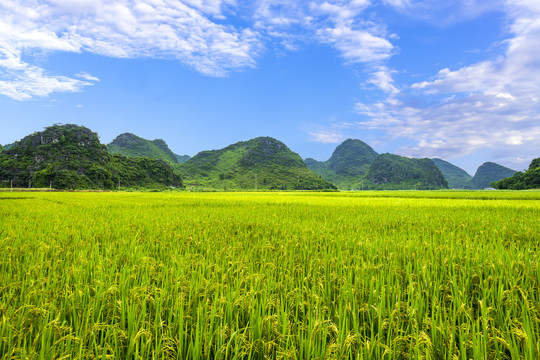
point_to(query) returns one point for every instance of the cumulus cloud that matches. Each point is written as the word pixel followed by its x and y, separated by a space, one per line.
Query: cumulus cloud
pixel 339 23
pixel 493 104
pixel 21 81
pixel 122 29
pixel 194 32
pixel 356 45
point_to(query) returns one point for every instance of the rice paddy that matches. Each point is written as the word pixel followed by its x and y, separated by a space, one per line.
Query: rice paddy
pixel 367 275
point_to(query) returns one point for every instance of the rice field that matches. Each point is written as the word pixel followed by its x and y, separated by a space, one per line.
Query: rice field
pixel 292 275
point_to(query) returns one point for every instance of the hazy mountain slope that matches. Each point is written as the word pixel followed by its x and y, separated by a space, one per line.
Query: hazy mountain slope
pixel 395 172
pixel 131 145
pixel 262 163
pixel 315 165
pixel 487 173
pixel 456 177
pixel 182 158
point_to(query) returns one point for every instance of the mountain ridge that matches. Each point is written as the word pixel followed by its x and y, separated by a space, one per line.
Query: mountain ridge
pixel 262 163
pixel 489 172
pixel 456 177
pixel 131 145
pixel 348 163
pixel 71 157
pixel 389 171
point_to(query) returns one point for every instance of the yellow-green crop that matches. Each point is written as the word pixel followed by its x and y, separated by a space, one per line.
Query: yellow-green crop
pixel 369 275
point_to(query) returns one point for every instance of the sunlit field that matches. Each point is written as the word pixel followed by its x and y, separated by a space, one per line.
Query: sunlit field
pixel 364 275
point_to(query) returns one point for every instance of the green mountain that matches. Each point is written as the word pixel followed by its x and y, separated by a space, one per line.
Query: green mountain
pixel 262 163
pixel 456 177
pixel 182 158
pixel 130 145
pixel 390 171
pixel 348 164
pixel 71 157
pixel 529 179
pixel 487 173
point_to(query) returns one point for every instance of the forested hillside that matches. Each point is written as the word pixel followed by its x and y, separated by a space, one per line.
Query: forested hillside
pixel 530 179
pixel 131 145
pixel 348 164
pixel 71 157
pixel 456 177
pixel 487 173
pixel 262 163
pixel 390 171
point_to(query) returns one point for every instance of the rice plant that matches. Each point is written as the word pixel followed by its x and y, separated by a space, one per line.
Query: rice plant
pixel 291 275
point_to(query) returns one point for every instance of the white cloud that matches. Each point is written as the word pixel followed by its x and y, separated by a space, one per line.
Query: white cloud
pixel 280 14
pixel 444 13
pixel 121 28
pixel 489 105
pixel 184 30
pixel 88 77
pixel 382 78
pixel 339 23
pixel 21 81
pixel 357 40
pixel 340 10
pixel 400 4
pixel 356 45
pixel 212 7
pixel 326 136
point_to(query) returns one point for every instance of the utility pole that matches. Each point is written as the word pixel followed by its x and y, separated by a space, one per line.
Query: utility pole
pixel 11 185
pixel 118 184
pixel 255 182
pixel 50 185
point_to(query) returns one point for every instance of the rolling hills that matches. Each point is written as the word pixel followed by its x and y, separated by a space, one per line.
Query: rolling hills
pixel 355 165
pixel 260 163
pixel 389 171
pixel 71 157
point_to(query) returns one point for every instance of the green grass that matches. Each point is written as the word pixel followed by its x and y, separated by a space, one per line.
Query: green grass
pixel 369 275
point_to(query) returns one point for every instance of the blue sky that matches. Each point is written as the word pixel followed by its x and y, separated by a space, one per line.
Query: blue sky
pixel 457 80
